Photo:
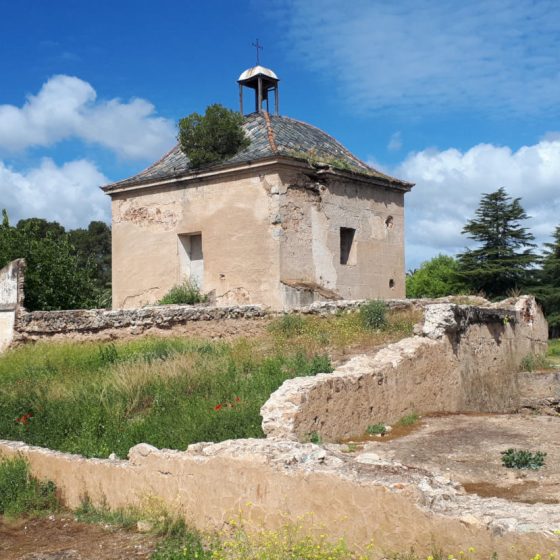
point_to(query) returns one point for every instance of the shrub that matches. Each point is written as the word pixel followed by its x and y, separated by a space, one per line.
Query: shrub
pixel 523 459
pixel 186 293
pixel 409 419
pixel 376 429
pixel 22 494
pixel 213 137
pixel 532 362
pixel 374 314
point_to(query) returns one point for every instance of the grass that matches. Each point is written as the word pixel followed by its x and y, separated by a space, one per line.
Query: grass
pixel 409 419
pixel 20 493
pixel 548 361
pixel 101 398
pixel 553 353
pixel 376 429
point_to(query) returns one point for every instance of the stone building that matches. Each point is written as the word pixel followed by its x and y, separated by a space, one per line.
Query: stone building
pixel 292 218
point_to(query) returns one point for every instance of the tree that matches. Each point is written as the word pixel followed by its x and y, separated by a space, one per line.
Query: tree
pixel 547 291
pixel 505 255
pixel 213 137
pixel 435 278
pixel 57 276
pixel 94 244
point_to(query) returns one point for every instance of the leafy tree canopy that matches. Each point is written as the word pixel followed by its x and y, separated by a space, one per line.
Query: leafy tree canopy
pixel 212 137
pixel 435 278
pixel 505 253
pixel 59 274
pixel 547 289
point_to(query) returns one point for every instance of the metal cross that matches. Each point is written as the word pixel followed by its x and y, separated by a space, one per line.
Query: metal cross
pixel 257 46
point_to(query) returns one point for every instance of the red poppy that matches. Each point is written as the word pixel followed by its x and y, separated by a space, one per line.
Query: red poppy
pixel 237 399
pixel 218 407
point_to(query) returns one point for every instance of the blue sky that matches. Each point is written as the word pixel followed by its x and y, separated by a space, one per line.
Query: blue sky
pixel 460 98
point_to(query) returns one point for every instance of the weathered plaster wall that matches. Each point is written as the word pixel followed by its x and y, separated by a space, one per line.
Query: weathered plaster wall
pixel 260 232
pixel 11 298
pixel 465 359
pixel 361 499
pixel 312 211
pixel 234 217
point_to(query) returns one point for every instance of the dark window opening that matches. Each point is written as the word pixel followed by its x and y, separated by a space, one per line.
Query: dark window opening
pixel 347 249
pixel 389 222
pixel 391 283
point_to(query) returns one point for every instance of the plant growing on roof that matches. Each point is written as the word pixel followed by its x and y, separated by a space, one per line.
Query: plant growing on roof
pixel 212 137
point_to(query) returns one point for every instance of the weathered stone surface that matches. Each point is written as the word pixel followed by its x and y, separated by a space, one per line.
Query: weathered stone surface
pixel 101 323
pixel 465 361
pixel 271 481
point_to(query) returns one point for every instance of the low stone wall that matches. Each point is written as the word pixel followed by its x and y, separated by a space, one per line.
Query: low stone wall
pixel 211 322
pixel 360 499
pixel 463 359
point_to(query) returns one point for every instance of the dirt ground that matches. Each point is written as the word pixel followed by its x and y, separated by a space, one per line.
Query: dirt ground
pixel 467 448
pixel 64 538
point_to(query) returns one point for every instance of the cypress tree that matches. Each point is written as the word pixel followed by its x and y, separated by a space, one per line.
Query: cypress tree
pixel 504 257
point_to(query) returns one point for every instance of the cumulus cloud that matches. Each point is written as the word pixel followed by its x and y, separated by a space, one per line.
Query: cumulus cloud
pixel 67 107
pixel 68 193
pixel 500 56
pixel 449 184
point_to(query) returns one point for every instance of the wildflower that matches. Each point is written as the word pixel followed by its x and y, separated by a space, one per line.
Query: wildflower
pixel 472 549
pixel 218 407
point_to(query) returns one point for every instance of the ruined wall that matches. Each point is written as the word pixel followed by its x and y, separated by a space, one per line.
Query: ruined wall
pixel 465 359
pixel 101 324
pixel 395 506
pixel 11 298
pixel 234 215
pixel 312 212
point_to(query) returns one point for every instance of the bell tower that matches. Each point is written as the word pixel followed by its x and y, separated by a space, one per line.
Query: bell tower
pixel 262 81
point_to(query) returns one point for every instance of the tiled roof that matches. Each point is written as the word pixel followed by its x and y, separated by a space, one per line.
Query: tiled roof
pixel 270 135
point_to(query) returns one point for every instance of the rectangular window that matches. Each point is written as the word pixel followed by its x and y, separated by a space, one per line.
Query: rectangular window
pixel 191 260
pixel 347 246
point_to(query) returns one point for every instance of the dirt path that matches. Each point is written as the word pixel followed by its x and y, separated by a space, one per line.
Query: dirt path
pixel 63 538
pixel 467 448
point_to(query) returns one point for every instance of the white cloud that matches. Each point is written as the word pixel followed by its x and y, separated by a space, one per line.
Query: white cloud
pixel 395 142
pixel 67 107
pixel 499 55
pixel 69 193
pixel 449 185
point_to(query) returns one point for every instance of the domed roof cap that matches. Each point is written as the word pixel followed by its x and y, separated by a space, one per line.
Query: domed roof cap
pixel 255 71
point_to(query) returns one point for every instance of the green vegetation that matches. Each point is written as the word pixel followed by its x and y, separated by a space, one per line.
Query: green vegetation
pixel 20 493
pixel 65 270
pixel 435 278
pixel 547 290
pixel 534 362
pixel 212 137
pixel 376 429
pixel 523 459
pixel 186 293
pixel 409 419
pixel 98 399
pixel 505 254
pixel 374 314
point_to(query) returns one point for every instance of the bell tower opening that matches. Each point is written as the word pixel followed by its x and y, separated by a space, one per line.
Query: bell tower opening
pixel 263 82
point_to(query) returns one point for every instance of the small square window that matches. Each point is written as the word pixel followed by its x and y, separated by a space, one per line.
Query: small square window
pixel 347 246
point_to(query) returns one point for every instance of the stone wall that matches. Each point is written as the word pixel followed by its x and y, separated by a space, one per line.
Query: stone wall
pixel 394 506
pixel 102 324
pixel 11 298
pixel 465 358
